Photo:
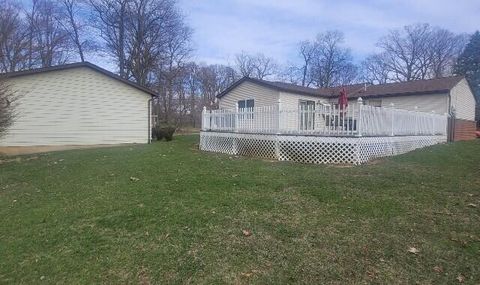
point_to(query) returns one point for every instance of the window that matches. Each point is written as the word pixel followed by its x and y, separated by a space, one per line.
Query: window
pixel 307 115
pixel 248 103
pixel 246 106
pixel 375 103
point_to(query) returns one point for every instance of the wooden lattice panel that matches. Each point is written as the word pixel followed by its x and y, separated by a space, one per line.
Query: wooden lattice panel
pixel 308 149
pixel 313 149
pixel 374 147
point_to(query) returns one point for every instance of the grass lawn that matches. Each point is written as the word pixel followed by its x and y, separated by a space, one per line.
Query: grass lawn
pixel 168 213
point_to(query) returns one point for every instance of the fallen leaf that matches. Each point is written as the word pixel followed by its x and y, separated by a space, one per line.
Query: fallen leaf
pixel 461 278
pixel 246 274
pixel 472 205
pixel 134 179
pixel 438 269
pixel 413 250
pixel 246 233
pixel 372 273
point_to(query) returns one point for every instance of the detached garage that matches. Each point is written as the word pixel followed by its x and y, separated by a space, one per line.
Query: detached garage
pixel 77 104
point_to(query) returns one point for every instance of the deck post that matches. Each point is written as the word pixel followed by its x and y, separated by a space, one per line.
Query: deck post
pixel 236 118
pixel 393 119
pixel 278 124
pixel 433 122
pixel 204 120
pixel 447 116
pixel 360 117
pixel 416 120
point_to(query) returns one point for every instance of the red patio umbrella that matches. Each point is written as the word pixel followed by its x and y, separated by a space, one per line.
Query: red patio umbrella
pixel 343 100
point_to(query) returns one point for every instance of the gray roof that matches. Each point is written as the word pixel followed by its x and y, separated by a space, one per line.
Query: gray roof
pixel 417 87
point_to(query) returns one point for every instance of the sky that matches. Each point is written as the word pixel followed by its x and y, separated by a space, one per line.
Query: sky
pixel 223 28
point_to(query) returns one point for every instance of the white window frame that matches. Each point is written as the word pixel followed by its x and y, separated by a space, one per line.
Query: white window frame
pixel 306 119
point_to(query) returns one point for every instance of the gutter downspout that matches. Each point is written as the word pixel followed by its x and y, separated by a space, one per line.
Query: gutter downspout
pixel 149 129
pixel 451 126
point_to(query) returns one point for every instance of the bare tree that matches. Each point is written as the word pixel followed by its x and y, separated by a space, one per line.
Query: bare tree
pixel 256 66
pixel 445 48
pixel 406 52
pixel 7 111
pixel 192 86
pixel 263 66
pixel 14 38
pixel 291 74
pixel 308 51
pixel 244 64
pixel 417 52
pixel 48 38
pixel 213 79
pixel 110 18
pixel 156 35
pixel 171 68
pixel 73 24
pixel 375 69
pixel 332 64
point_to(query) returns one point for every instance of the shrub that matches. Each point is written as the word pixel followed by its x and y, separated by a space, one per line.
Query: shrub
pixel 159 133
pixel 168 133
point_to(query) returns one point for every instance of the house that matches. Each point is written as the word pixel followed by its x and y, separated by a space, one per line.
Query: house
pixel 449 95
pixel 286 122
pixel 76 104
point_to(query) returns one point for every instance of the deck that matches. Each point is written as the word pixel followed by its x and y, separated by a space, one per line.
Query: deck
pixel 320 133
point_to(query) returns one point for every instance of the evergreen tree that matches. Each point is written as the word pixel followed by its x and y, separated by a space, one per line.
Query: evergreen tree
pixel 468 64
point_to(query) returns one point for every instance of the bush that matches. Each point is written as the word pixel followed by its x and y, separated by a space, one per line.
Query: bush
pixel 159 133
pixel 168 133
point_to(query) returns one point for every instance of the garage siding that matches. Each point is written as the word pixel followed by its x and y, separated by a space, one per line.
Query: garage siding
pixel 78 106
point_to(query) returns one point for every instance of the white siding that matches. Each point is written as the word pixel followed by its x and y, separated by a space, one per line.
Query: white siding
pixel 425 103
pixel 463 101
pixel 78 106
pixel 290 102
pixel 263 96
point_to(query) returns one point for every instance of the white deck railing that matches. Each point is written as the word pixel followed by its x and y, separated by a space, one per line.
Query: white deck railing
pixel 326 120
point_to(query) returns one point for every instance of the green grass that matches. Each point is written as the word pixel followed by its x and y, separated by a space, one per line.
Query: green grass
pixel 77 217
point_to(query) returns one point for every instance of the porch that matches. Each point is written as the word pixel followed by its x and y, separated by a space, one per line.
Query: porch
pixel 320 133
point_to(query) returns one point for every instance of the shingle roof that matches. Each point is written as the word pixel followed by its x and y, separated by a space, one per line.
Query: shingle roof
pixel 418 87
pixel 76 65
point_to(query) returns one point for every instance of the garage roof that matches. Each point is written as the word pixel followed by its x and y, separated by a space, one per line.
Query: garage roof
pixel 77 65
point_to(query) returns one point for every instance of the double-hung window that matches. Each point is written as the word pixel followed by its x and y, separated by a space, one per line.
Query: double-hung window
pixel 246 106
pixel 248 103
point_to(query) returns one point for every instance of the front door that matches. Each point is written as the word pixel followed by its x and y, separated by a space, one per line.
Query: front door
pixel 307 115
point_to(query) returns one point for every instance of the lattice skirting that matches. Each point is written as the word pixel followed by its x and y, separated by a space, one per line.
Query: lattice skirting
pixel 313 149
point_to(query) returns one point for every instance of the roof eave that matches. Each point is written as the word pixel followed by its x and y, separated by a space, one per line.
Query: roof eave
pixel 431 92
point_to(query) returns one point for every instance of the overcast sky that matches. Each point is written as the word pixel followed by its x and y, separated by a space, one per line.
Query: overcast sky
pixel 223 28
